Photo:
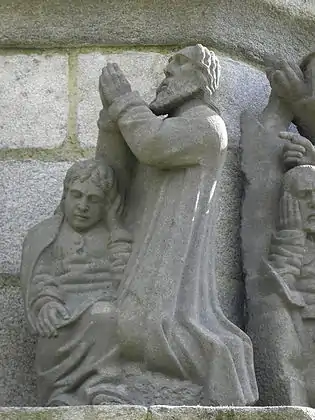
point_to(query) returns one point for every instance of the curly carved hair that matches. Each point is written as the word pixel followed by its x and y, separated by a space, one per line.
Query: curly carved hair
pixel 207 63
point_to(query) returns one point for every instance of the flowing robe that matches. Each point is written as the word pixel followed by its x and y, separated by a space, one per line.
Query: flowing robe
pixel 81 362
pixel 169 316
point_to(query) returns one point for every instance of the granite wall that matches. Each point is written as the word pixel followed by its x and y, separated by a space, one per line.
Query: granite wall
pixel 51 53
pixel 157 413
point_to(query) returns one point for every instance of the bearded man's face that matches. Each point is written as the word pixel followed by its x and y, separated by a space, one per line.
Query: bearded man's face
pixel 182 81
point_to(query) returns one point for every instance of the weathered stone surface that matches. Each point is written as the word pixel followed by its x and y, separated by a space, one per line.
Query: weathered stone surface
pixel 270 327
pixel 241 87
pixel 17 376
pixel 228 248
pixel 157 413
pixel 32 189
pixel 188 212
pixel 34 100
pixel 228 413
pixel 284 28
pixel 30 192
pixel 32 196
pixel 76 413
pixel 177 243
pixel 278 237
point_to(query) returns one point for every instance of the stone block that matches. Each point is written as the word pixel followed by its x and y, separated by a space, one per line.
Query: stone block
pixel 229 413
pixel 143 70
pixel 17 376
pixel 76 413
pixel 284 28
pixel 242 87
pixel 157 413
pixel 30 192
pixel 34 100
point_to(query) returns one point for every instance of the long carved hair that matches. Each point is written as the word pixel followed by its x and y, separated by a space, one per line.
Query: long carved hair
pixel 101 174
pixel 207 63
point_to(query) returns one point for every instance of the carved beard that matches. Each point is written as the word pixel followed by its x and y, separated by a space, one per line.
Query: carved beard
pixel 172 93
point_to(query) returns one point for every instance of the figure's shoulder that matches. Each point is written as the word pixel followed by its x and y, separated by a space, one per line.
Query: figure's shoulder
pixel 211 117
pixel 200 108
pixel 46 228
pixel 205 112
pixel 212 114
pixel 214 127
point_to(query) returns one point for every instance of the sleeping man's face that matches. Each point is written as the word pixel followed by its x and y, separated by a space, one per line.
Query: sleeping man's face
pixel 84 205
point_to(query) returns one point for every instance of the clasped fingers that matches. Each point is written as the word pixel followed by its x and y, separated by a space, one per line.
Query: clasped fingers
pixel 113 83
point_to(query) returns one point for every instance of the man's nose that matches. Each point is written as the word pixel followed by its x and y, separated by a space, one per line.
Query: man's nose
pixel 83 204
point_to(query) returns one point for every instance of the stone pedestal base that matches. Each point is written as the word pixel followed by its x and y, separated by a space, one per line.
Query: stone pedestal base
pixel 157 413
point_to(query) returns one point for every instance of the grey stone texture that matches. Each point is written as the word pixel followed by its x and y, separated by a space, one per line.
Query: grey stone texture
pixel 76 413
pixel 228 244
pixel 293 327
pixel 32 189
pixel 241 87
pixel 268 319
pixel 74 282
pixel 277 237
pixel 144 71
pixel 34 100
pixel 271 27
pixel 17 376
pixel 39 185
pixel 30 192
pixel 157 413
pixel 228 413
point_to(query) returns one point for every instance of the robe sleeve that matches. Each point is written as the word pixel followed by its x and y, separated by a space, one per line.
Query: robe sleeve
pixel 198 135
pixel 112 148
pixel 33 262
pixel 285 261
pixel 44 287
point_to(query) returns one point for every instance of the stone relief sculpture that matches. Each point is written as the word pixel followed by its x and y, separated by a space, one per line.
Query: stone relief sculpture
pixel 126 307
pixel 290 264
pixel 278 216
pixel 71 269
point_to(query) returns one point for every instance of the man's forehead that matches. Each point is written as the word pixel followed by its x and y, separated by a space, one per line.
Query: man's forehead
pixel 87 187
pixel 178 57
